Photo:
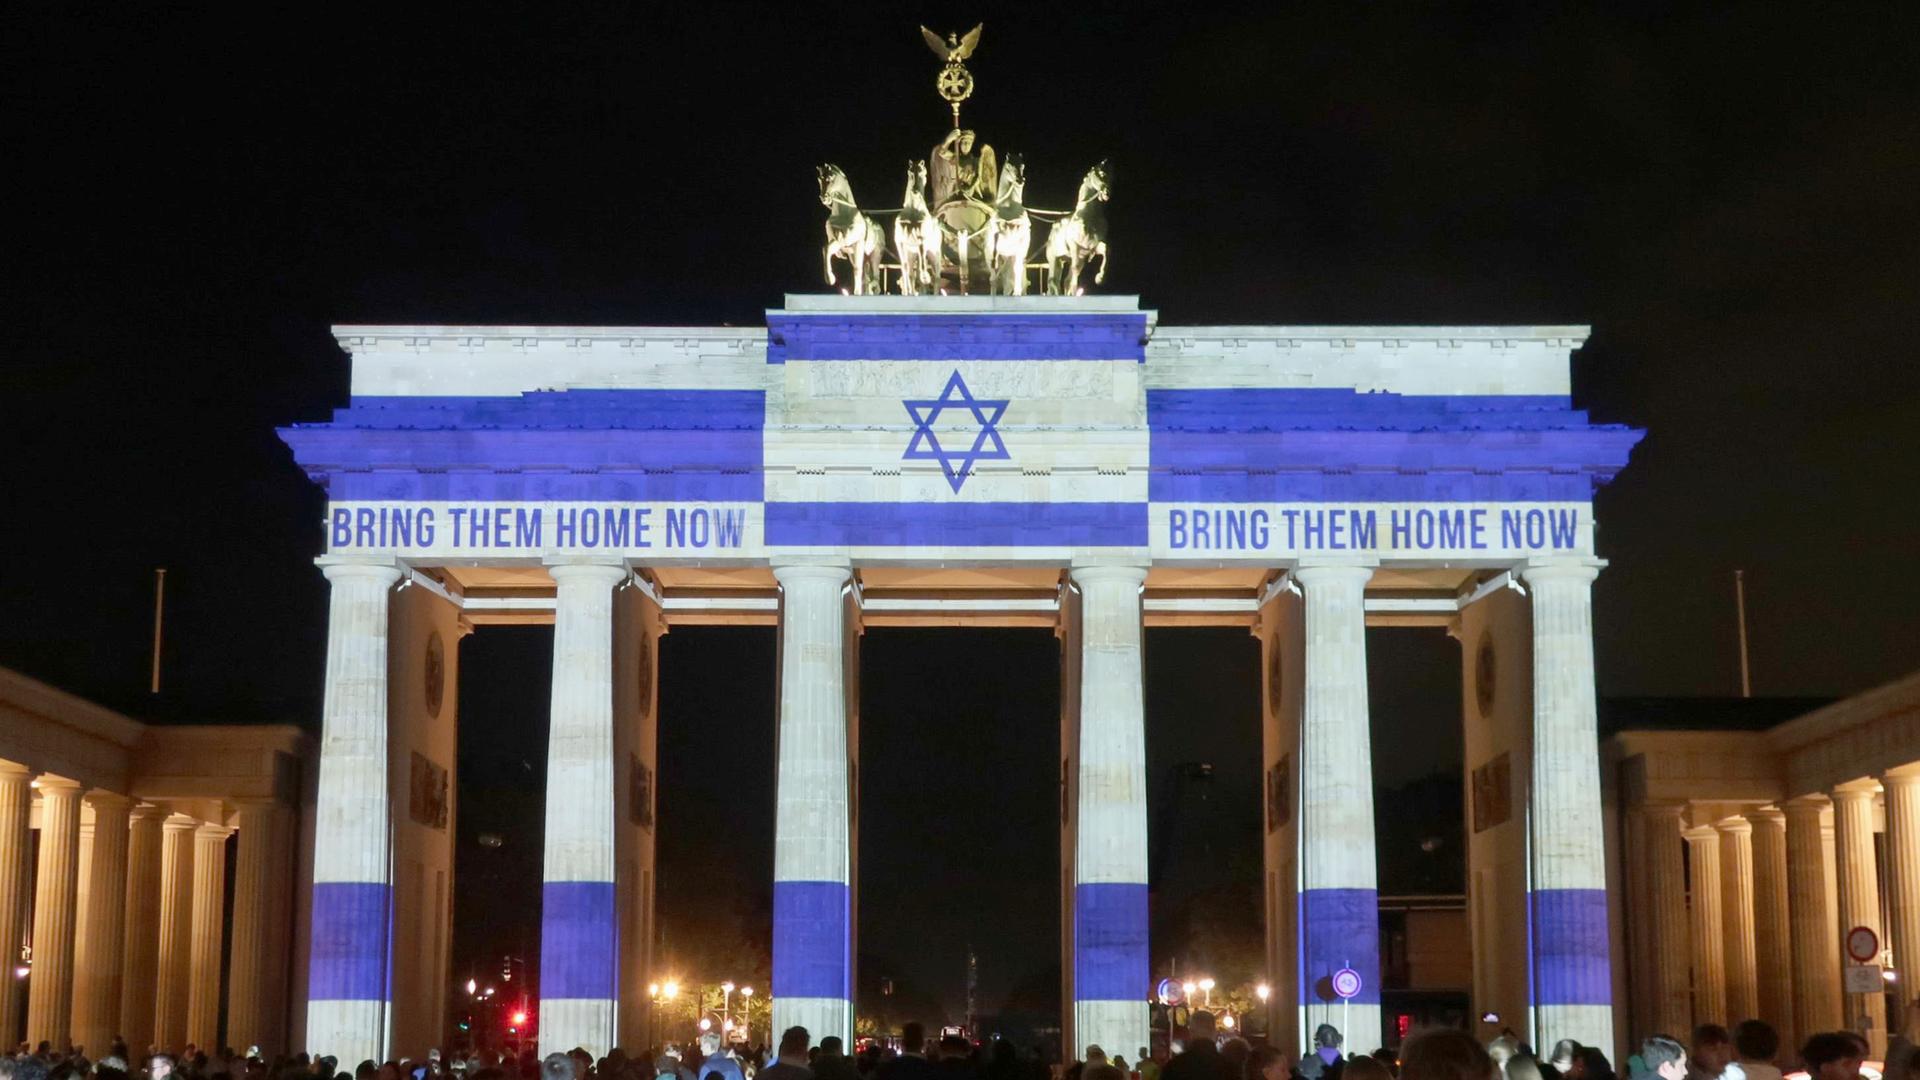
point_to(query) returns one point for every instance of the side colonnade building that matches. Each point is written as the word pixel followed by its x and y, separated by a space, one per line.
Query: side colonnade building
pixel 1029 461
pixel 116 913
pixel 1746 857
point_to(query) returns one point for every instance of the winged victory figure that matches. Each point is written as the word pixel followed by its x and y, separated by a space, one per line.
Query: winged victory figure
pixel 952 49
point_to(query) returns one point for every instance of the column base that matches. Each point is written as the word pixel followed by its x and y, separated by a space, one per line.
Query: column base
pixel 1118 1027
pixel 588 1023
pixel 1359 1025
pixel 350 1031
pixel 1588 1025
pixel 820 1016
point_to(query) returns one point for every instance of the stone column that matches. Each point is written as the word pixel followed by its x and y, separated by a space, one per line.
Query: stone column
pixel 1814 927
pixel 1903 872
pixel 812 912
pixel 1736 919
pixel 1859 877
pixel 97 956
pixel 350 963
pixel 1572 960
pixel 1709 940
pixel 1339 885
pixel 209 919
pixel 140 967
pixel 579 923
pixel 257 970
pixel 1671 938
pixel 1773 952
pixel 174 951
pixel 57 880
pixel 1110 960
pixel 16 811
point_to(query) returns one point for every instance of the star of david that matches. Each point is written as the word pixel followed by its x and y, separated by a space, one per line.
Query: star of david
pixel 956 464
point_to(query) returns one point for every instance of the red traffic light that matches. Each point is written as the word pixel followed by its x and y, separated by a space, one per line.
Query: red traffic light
pixel 519 1018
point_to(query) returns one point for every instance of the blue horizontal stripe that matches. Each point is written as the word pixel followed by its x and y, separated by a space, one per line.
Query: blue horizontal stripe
pixel 664 445
pixel 946 338
pixel 579 940
pixel 1110 942
pixel 1339 928
pixel 1571 961
pixel 983 524
pixel 1327 444
pixel 348 959
pixel 812 940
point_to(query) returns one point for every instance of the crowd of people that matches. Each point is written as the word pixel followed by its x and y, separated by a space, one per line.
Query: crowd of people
pixel 1751 1051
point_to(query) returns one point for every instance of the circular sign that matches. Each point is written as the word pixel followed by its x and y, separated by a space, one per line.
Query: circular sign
pixel 1863 944
pixel 1484 675
pixel 1346 982
pixel 1169 992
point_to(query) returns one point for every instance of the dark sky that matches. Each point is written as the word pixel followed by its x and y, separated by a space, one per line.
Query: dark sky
pixel 1726 195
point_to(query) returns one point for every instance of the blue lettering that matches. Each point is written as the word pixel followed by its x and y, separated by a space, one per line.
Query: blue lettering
pixel 619 524
pixel 1401 525
pixel 1562 525
pixel 456 513
pixel 590 527
pixel 1236 533
pixel 402 528
pixel 1423 529
pixel 676 527
pixel 1366 529
pixel 1510 528
pixel 1453 528
pixel 1478 529
pixel 342 528
pixel 1291 517
pixel 1336 529
pixel 699 527
pixel 423 527
pixel 363 526
pixel 1536 529
pixel 1202 524
pixel 728 527
pixel 1260 533
pixel 1176 529
pixel 1314 534
pixel 526 528
pixel 502 527
pixel 566 528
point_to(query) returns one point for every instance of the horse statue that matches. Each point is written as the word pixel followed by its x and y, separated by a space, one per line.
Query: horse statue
pixel 1075 239
pixel 916 236
pixel 851 235
pixel 1010 233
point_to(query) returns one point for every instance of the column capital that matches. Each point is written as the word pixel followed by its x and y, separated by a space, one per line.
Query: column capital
pixel 1701 834
pixel 179 823
pixel 1576 568
pixel 838 571
pixel 146 811
pixel 1766 817
pixel 13 770
pixel 1905 776
pixel 1333 572
pixel 102 799
pixel 1096 571
pixel 342 567
pixel 1854 790
pixel 1733 826
pixel 207 830
pixel 1674 811
pixel 47 783
pixel 587 571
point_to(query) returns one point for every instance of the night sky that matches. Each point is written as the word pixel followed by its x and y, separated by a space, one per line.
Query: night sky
pixel 1726 196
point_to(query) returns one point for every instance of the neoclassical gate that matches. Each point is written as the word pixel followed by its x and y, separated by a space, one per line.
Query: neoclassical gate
pixel 1051 461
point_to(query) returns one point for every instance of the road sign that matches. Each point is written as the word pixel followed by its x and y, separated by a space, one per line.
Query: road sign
pixel 1863 944
pixel 1346 983
pixel 1865 979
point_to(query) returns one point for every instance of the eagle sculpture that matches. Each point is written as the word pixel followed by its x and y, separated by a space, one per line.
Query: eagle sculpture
pixel 952 49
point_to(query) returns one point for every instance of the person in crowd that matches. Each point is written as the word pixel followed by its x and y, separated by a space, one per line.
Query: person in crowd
pixel 1366 1067
pixel 1325 1063
pixel 1268 1063
pixel 1445 1054
pixel 1833 1055
pixel 1662 1058
pixel 1903 1050
pixel 790 1062
pixel 1201 1059
pixel 1521 1067
pixel 557 1066
pixel 956 1059
pixel 1503 1048
pixel 832 1064
pixel 1711 1053
pixel 1561 1060
pixel 1145 1067
pixel 912 1063
pixel 1589 1063
pixel 713 1059
pixel 1755 1045
pixel 1102 1071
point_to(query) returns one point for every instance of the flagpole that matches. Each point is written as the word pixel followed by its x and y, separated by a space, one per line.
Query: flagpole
pixel 159 606
pixel 1740 611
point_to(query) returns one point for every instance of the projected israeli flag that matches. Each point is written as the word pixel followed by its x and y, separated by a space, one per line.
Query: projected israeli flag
pixel 963 433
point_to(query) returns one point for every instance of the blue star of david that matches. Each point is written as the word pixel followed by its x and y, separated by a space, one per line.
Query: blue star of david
pixel 956 464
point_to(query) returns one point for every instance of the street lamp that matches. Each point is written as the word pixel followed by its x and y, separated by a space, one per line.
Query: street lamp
pixel 1206 987
pixel 746 1013
pixel 726 1003
pixel 1226 1021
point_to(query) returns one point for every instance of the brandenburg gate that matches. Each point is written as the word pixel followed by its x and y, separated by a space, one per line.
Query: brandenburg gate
pixel 963 453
